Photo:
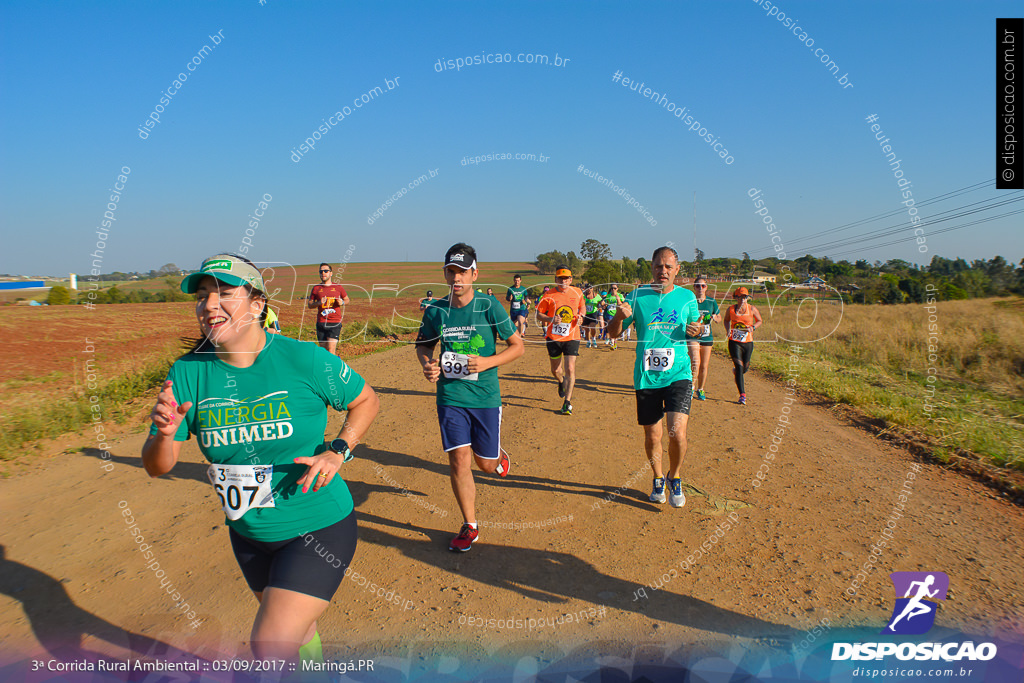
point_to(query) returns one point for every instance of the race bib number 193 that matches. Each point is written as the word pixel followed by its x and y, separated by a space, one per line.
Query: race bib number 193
pixel 659 360
pixel 242 487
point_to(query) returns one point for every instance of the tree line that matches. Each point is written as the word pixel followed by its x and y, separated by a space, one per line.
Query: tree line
pixel 890 282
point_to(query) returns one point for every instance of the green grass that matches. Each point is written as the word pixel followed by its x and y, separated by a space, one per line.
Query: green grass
pixel 964 417
pixel 47 420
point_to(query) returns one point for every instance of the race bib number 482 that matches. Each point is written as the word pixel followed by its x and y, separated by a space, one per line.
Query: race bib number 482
pixel 242 487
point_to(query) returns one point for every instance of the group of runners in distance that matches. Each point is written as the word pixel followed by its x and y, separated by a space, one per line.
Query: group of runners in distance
pixel 257 403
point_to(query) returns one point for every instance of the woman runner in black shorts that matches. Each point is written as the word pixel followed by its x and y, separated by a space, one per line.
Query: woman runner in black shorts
pixel 257 404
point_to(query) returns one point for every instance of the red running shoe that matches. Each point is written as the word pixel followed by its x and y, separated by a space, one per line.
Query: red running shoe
pixel 504 464
pixel 464 541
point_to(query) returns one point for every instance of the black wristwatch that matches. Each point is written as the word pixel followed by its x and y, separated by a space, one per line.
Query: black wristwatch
pixel 341 446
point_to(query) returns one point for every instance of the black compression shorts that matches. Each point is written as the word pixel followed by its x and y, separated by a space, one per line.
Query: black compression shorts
pixel 313 564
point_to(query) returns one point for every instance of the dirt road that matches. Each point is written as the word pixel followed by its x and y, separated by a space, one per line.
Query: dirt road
pixel 587 540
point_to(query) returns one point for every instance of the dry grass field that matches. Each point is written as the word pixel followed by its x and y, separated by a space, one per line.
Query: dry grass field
pixel 880 360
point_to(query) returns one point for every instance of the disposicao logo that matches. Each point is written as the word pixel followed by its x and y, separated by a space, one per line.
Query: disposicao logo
pixel 914 613
pixel 917 596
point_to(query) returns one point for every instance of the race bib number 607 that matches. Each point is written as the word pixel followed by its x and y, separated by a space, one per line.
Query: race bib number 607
pixel 242 487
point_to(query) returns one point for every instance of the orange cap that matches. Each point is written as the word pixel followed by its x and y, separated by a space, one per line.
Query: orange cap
pixel 563 272
pixel 741 291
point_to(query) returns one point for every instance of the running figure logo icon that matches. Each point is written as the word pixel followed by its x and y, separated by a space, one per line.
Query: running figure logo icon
pixel 914 613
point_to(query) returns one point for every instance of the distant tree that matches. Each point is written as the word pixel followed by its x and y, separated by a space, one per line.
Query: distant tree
pixel 972 281
pixel 643 270
pixel 592 250
pixel 746 265
pixel 58 296
pixel 950 292
pixel 913 289
pixel 886 289
pixel 168 269
pixel 601 273
pixel 1001 276
pixel 629 269
pixel 698 256
pixel 862 265
pixel 547 262
pixel 114 295
pixel 842 268
pixel 574 262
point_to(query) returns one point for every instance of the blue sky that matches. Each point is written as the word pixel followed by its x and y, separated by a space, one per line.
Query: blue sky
pixel 78 80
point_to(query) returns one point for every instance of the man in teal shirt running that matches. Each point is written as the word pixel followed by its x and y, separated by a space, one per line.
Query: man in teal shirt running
pixel 663 314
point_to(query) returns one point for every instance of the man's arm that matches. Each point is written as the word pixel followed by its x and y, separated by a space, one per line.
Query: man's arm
pixel 313 301
pixel 425 355
pixel 622 312
pixel 514 348
pixel 693 326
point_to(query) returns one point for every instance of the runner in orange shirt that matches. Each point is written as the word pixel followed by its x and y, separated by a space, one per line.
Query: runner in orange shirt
pixel 562 309
pixel 741 320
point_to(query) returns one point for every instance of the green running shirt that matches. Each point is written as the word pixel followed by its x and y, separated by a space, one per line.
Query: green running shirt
pixel 471 331
pixel 268 414
pixel 661 321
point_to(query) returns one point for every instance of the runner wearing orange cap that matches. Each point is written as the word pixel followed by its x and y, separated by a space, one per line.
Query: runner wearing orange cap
pixel 741 319
pixel 563 309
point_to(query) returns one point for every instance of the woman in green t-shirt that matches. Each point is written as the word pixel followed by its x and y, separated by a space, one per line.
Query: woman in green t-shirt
pixel 257 404
pixel 700 347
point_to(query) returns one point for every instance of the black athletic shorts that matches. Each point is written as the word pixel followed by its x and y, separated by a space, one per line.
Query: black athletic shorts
pixel 313 564
pixel 699 342
pixel 652 404
pixel 591 320
pixel 325 331
pixel 557 349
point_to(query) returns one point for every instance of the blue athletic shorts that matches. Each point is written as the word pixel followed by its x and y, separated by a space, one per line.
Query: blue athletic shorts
pixel 476 427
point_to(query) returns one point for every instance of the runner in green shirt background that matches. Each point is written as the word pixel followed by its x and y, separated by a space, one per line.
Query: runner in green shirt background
pixel 518 304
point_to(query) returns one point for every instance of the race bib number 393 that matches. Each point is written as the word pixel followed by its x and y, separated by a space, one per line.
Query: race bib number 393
pixel 242 487
pixel 659 360
pixel 456 366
